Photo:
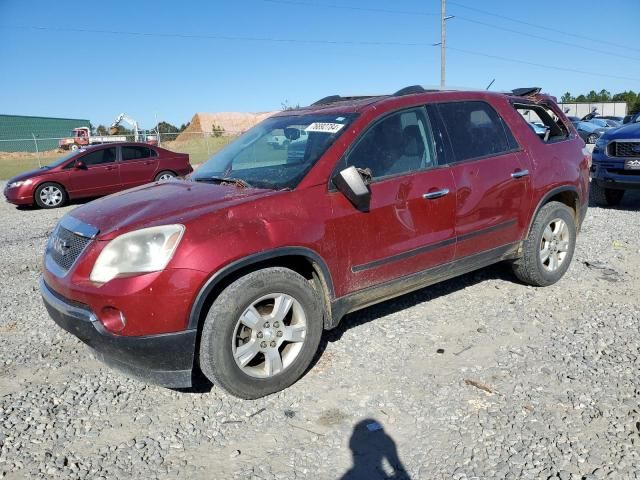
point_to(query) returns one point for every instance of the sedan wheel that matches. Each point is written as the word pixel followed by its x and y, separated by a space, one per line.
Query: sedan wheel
pixel 50 195
pixel 163 176
pixel 592 138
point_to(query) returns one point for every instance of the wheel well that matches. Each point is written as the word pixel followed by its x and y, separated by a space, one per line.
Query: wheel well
pixel 300 264
pixel 164 171
pixel 568 197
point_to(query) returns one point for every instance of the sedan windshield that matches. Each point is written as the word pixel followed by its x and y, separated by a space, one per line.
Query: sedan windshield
pixel 277 153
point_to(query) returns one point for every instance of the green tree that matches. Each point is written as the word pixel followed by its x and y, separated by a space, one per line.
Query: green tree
pixel 217 130
pixel 184 126
pixel 604 95
pixel 592 96
pixel 165 127
pixel 581 99
pixel 567 98
pixel 102 130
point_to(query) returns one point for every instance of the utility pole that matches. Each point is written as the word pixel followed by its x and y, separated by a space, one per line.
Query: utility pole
pixel 443 42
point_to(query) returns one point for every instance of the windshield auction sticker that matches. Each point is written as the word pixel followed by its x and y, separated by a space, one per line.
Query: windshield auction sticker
pixel 324 127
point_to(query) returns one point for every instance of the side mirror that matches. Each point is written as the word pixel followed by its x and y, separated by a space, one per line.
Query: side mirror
pixel 80 165
pixel 354 186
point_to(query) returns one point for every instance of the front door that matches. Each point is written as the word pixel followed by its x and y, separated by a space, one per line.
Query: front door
pixel 409 226
pixel 491 174
pixel 98 176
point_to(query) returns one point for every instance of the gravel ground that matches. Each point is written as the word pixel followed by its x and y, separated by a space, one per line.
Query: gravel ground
pixel 478 377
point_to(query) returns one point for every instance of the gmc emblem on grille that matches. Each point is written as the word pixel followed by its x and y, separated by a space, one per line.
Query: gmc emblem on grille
pixel 61 247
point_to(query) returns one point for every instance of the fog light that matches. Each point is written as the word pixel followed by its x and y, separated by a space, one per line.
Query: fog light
pixel 113 319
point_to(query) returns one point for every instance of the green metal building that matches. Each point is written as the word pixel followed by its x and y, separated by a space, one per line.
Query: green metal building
pixel 17 132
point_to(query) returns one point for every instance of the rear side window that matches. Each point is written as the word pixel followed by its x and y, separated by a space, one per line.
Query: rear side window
pixel 544 123
pixel 99 157
pixel 398 144
pixel 476 130
pixel 136 153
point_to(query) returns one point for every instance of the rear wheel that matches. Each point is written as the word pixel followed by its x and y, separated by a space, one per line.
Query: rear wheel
pixel 165 175
pixel 261 333
pixel 50 195
pixel 605 197
pixel 73 147
pixel 548 250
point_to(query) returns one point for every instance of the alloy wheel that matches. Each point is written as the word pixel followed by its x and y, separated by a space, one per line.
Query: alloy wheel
pixel 269 335
pixel 51 196
pixel 554 244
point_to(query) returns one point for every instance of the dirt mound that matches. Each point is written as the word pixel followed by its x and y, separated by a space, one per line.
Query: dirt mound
pixel 233 123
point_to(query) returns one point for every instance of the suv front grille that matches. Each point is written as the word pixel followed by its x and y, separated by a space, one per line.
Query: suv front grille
pixel 65 247
pixel 626 149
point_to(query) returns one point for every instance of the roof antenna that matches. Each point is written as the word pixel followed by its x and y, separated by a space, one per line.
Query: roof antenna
pixel 489 86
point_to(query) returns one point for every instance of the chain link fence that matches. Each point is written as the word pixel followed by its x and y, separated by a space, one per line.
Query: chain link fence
pixel 30 153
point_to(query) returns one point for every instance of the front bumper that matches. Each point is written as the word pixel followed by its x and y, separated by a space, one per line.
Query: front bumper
pixel 165 359
pixel 22 195
pixel 612 175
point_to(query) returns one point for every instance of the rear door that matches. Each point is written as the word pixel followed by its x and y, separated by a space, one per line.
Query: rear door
pixel 138 165
pixel 410 224
pixel 491 174
pixel 98 176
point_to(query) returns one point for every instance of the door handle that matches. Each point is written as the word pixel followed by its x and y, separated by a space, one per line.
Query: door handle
pixel 436 194
pixel 520 173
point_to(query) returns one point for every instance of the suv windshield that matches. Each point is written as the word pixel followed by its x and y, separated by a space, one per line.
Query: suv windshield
pixel 277 153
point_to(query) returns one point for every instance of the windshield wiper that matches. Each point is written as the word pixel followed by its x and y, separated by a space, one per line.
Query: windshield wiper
pixel 238 182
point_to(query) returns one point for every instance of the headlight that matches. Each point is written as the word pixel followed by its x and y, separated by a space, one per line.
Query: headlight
pixel 140 251
pixel 20 183
pixel 601 144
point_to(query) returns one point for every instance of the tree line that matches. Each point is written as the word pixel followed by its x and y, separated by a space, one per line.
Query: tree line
pixel 631 98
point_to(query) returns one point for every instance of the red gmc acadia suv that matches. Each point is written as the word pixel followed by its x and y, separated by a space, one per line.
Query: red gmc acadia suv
pixel 239 269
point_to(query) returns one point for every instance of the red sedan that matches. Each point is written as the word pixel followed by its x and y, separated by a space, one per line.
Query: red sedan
pixel 95 171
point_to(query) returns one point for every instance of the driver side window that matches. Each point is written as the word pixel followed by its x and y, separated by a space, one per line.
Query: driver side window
pixel 398 144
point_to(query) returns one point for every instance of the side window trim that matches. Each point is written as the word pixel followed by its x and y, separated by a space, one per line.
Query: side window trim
pixel 362 135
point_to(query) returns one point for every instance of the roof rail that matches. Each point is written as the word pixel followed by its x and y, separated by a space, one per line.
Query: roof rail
pixel 337 98
pixel 526 91
pixel 409 90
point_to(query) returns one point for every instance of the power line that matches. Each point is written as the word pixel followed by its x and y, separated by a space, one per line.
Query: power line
pixel 524 62
pixel 543 27
pixel 216 37
pixel 301 41
pixel 470 20
pixel 546 39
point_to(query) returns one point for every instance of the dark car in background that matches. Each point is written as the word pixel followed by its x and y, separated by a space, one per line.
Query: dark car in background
pixel 616 165
pixel 95 171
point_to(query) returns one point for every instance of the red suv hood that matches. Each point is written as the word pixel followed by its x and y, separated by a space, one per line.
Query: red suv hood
pixel 165 203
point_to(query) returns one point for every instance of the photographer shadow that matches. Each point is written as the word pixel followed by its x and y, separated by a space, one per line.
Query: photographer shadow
pixel 374 453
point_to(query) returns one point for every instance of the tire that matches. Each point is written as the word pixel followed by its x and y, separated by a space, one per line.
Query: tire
pixel 548 242
pixel 250 300
pixel 592 138
pixel 73 147
pixel 165 175
pixel 605 197
pixel 50 195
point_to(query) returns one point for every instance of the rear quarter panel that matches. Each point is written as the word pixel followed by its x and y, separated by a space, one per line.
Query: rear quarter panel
pixel 554 166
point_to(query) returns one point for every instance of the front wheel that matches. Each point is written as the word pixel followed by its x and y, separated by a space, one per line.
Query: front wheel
pixel 50 195
pixel 548 250
pixel 261 333
pixel 592 138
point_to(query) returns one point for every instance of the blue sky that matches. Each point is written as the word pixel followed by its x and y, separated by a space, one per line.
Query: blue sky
pixel 216 66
